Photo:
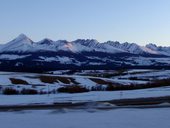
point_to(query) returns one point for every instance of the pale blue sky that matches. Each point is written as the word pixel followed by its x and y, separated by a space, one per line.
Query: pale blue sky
pixel 139 21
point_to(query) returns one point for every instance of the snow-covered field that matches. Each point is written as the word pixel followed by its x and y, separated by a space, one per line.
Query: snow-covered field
pixel 115 118
pixel 152 74
pixel 33 79
pixel 82 97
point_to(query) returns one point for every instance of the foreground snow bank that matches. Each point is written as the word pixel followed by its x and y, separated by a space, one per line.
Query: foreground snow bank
pixel 118 118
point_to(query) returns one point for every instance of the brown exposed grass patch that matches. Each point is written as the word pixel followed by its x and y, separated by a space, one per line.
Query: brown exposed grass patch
pixel 152 84
pixel 100 81
pixel 73 81
pixel 10 91
pixel 53 79
pixel 29 92
pixel 64 80
pixel 48 79
pixel 18 81
pixel 73 89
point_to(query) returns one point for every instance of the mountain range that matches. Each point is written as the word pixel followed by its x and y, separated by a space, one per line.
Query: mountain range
pixel 23 54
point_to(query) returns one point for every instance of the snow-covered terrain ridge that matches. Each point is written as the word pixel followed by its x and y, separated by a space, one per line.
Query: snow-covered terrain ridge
pixel 23 44
pixel 132 47
pixel 12 57
pixel 23 54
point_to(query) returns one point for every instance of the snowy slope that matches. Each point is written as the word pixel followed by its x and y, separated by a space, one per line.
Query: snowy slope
pixel 159 49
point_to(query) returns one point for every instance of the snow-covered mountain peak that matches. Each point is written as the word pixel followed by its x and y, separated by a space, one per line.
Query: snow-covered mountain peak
pixel 22 38
pixel 152 46
pixel 113 42
pixel 90 43
pixel 46 41
pixel 21 43
pixel 61 42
